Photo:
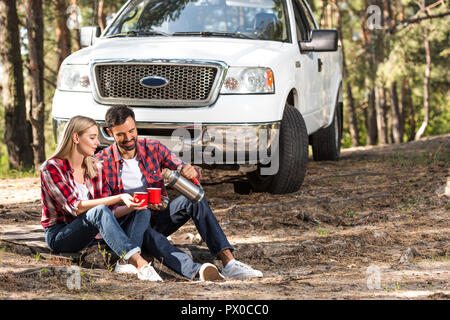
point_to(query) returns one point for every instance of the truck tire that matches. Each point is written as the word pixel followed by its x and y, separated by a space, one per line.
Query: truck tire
pixel 242 187
pixel 293 157
pixel 326 143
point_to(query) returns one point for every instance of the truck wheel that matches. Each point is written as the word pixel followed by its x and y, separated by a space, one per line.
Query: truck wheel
pixel 326 143
pixel 293 157
pixel 242 187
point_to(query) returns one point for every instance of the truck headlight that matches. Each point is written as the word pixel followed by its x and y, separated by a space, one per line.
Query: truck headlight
pixel 74 78
pixel 240 80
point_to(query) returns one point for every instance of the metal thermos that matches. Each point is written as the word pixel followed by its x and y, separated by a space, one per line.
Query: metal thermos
pixel 184 186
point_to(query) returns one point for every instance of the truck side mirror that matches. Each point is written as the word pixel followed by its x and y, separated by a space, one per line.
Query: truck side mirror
pixel 321 40
pixel 88 35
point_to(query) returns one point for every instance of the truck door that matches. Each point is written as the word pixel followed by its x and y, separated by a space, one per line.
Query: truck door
pixel 309 66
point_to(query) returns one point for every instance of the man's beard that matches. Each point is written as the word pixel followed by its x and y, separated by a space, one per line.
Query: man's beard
pixel 128 148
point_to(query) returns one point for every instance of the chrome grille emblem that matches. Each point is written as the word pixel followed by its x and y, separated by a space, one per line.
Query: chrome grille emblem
pixel 154 82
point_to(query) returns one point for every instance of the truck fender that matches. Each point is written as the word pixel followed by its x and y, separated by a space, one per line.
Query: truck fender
pixel 339 98
pixel 289 96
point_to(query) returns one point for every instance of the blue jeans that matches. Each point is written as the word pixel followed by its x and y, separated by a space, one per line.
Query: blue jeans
pixel 134 224
pixel 166 222
pixel 80 233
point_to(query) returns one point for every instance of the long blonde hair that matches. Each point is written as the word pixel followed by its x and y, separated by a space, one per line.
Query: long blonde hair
pixel 79 125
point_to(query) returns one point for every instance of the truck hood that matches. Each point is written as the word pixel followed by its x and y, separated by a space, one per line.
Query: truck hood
pixel 234 52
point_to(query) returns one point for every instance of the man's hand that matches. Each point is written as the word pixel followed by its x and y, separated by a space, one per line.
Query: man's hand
pixel 189 172
pixel 159 206
pixel 155 206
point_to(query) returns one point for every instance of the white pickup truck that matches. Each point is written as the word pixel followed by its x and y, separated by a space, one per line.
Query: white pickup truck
pixel 227 84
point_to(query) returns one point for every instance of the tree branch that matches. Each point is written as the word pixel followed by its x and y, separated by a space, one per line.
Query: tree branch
pixel 50 82
pixel 55 73
pixel 419 19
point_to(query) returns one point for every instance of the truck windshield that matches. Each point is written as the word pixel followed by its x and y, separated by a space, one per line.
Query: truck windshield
pixel 245 19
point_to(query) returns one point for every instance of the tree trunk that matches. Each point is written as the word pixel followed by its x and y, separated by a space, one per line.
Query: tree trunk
pixel 371 118
pixel 77 39
pixel 397 117
pixel 368 41
pixel 17 139
pixel 380 100
pixel 76 31
pixel 426 87
pixel 408 108
pixel 322 15
pixel 63 45
pixel 330 15
pixel 352 121
pixel 101 15
pixel 35 24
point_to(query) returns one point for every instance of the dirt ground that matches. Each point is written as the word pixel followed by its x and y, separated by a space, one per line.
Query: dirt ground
pixel 375 225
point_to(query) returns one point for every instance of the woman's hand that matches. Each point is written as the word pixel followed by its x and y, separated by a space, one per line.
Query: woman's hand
pixel 128 200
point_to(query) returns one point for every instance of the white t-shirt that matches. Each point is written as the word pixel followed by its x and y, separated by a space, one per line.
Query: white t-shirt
pixel 132 178
pixel 83 191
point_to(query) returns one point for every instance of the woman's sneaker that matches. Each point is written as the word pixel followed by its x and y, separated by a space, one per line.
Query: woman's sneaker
pixel 209 272
pixel 148 273
pixel 125 268
pixel 240 271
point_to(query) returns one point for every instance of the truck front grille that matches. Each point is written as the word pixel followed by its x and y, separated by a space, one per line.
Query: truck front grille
pixel 188 85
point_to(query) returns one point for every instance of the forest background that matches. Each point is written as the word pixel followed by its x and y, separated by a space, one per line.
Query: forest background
pixel 396 79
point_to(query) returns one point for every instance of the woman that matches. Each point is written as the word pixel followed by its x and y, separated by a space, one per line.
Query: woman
pixel 76 205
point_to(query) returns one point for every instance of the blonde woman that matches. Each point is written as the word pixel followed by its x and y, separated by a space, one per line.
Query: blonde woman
pixel 76 206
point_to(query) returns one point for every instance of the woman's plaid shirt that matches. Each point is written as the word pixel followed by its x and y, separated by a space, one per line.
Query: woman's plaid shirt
pixel 60 198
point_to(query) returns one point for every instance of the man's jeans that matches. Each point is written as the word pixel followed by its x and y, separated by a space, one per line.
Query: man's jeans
pixel 134 224
pixel 80 233
pixel 166 222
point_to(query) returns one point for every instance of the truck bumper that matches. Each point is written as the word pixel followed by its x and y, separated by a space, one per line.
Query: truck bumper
pixel 207 144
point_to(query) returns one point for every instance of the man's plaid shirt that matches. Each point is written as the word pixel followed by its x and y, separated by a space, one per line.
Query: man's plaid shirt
pixel 60 197
pixel 153 157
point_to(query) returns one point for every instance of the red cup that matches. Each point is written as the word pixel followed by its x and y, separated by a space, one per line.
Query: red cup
pixel 154 195
pixel 139 196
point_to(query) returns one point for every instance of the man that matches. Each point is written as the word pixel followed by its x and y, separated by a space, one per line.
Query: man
pixel 133 165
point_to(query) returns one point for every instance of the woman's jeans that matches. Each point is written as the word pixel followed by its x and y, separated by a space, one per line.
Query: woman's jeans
pixel 166 222
pixel 80 233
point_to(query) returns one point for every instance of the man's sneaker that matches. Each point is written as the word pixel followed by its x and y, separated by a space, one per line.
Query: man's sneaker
pixel 241 271
pixel 147 272
pixel 209 272
pixel 125 268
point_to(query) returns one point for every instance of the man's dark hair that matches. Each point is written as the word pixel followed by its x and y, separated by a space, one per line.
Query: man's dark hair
pixel 117 115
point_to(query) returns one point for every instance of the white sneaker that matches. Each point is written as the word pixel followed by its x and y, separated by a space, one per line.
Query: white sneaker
pixel 147 272
pixel 125 268
pixel 209 272
pixel 241 271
